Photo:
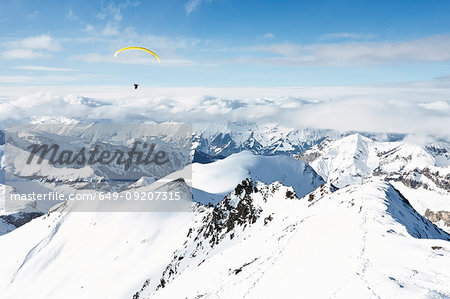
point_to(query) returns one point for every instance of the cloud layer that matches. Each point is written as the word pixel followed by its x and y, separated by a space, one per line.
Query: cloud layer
pixel 422 108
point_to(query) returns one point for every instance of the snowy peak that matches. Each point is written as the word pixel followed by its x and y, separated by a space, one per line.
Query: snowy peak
pixel 222 176
pixel 356 159
pixel 349 155
pixel 382 199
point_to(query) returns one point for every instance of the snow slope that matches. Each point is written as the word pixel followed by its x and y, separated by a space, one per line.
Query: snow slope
pixel 363 241
pixel 110 255
pixel 222 176
pixel 261 241
pixel 87 255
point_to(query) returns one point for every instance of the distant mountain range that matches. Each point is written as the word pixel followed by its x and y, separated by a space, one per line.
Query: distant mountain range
pixel 217 140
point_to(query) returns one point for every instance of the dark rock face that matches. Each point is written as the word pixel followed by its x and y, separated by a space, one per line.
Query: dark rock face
pixel 437 216
pixel 2 137
pixel 236 212
pixel 226 216
pixel 21 218
pixel 203 158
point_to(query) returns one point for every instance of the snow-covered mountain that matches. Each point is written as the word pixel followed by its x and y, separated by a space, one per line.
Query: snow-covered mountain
pixel 421 174
pixel 216 140
pixel 346 222
pixel 114 242
pixel 355 158
pixel 220 139
pixel 262 241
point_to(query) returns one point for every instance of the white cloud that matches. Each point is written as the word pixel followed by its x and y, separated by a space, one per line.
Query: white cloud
pixel 346 35
pixel 43 68
pixel 284 49
pixel 193 5
pixel 71 16
pixel 40 42
pixel 30 47
pixel 111 30
pixel 140 58
pixel 110 12
pixel 94 57
pixel 14 79
pixel 269 35
pixel 436 106
pixel 33 15
pixel 22 54
pixel 47 80
pixel 113 15
pixel 89 28
pixel 418 139
pixel 430 49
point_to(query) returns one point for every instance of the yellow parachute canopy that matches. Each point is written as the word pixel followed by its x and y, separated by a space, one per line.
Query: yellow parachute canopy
pixel 137 48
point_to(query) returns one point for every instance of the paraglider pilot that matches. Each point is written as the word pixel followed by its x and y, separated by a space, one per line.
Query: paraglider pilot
pixel 136 85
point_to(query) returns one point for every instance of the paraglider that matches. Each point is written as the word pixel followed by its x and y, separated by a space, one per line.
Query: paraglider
pixel 137 48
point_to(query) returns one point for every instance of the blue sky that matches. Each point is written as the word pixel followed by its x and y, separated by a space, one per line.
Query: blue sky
pixel 224 42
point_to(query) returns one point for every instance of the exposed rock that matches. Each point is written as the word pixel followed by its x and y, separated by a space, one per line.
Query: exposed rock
pixel 438 216
pixel 237 211
pixel 21 218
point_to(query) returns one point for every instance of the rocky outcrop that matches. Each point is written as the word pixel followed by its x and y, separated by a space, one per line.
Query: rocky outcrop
pixel 21 218
pixel 438 216
pixel 229 220
pixel 413 179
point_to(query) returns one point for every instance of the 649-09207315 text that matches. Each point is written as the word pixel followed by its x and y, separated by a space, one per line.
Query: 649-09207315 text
pixel 102 196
